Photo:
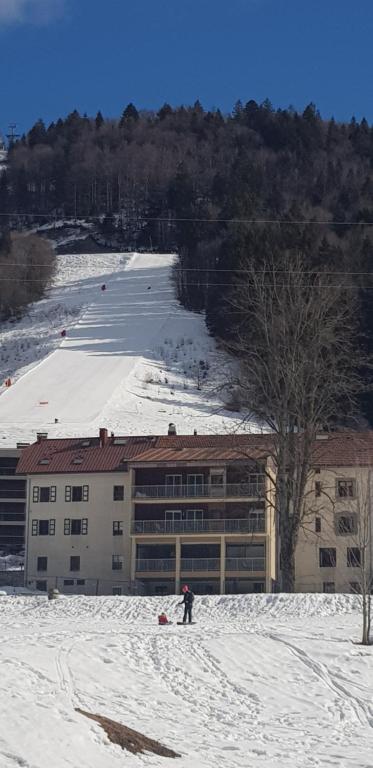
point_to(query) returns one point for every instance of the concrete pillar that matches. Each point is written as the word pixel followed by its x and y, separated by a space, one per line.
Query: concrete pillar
pixel 177 565
pixel 222 565
pixel 133 559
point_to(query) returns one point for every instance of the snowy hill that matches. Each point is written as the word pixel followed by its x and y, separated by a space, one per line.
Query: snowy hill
pixel 260 681
pixel 133 359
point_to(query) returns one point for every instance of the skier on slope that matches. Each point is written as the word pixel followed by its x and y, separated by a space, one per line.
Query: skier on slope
pixel 187 602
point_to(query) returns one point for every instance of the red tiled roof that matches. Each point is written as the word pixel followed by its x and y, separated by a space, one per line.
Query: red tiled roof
pixel 339 449
pixel 72 456
pixel 209 448
pixel 344 449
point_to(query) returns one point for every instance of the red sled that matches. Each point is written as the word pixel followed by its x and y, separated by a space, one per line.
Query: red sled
pixel 162 619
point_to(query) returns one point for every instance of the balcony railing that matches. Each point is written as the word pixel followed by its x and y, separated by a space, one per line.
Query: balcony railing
pixel 168 565
pixel 245 564
pixel 252 489
pixel 161 564
pixel 199 564
pixel 164 527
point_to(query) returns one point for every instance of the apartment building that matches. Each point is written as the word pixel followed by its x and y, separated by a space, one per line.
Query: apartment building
pixel 335 543
pixel 141 515
pixel 12 502
pixel 117 515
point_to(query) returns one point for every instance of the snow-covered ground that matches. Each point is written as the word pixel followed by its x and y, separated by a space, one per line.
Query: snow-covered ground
pixel 133 359
pixel 260 681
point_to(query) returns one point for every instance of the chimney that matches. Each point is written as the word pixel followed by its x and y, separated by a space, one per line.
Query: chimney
pixel 103 437
pixel 41 436
pixel 195 433
pixel 171 429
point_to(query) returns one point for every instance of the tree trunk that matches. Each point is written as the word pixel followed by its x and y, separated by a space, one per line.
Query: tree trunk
pixel 287 580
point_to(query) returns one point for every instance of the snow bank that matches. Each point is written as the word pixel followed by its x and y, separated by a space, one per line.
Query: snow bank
pixel 209 609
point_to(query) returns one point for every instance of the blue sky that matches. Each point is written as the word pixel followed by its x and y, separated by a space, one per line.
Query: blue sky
pixel 57 55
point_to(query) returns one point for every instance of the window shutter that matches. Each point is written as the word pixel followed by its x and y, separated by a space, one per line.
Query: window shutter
pixel 84 526
pixel 67 526
pixel 85 492
pixel 35 526
pixel 35 494
pixel 53 493
pixel 52 527
pixel 67 492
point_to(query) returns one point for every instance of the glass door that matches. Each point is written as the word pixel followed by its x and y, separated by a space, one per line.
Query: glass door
pixel 172 520
pixel 217 482
pixel 174 485
pixel 195 485
pixel 193 520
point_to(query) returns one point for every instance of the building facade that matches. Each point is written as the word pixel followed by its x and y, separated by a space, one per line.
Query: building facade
pixel 141 515
pixel 12 503
pixel 119 515
pixel 335 545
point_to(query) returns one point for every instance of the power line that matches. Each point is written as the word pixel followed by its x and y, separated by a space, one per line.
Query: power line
pixel 216 271
pixel 208 284
pixel 171 220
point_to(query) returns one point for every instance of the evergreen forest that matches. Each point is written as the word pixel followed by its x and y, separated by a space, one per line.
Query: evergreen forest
pixel 220 189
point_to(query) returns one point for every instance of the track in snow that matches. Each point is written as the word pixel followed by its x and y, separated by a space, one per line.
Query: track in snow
pixel 256 682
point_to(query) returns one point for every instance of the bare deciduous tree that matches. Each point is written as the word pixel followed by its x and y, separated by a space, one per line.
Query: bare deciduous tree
pixel 299 364
pixel 25 270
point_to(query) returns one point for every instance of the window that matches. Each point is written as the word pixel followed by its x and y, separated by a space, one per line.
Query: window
pixel 80 582
pixel 118 493
pixel 43 527
pixel 245 550
pixel 345 489
pixel 116 590
pixel 317 524
pixel 355 587
pixel 44 494
pixel 41 586
pixel 345 523
pixel 195 485
pixel 217 478
pixel 75 527
pixel 353 557
pixel 174 485
pixel 117 562
pixel 74 563
pixel 42 564
pixel 328 587
pixel 317 488
pixel 328 557
pixel 76 492
pixel 68 582
pixel 118 528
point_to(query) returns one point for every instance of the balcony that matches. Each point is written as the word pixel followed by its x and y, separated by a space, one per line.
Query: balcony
pixel 253 489
pixel 164 565
pixel 199 564
pixel 181 527
pixel 245 564
pixel 192 564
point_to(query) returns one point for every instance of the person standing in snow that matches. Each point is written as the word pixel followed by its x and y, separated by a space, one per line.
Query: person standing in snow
pixel 187 602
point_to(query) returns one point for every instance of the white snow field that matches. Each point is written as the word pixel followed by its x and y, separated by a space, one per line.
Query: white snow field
pixel 260 681
pixel 133 359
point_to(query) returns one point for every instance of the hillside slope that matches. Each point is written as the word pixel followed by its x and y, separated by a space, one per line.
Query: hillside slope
pixel 132 360
pixel 260 681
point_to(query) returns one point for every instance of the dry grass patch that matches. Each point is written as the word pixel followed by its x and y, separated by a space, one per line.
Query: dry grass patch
pixel 133 741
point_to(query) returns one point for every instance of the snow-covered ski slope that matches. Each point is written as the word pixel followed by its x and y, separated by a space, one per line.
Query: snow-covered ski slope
pixel 133 359
pixel 259 682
